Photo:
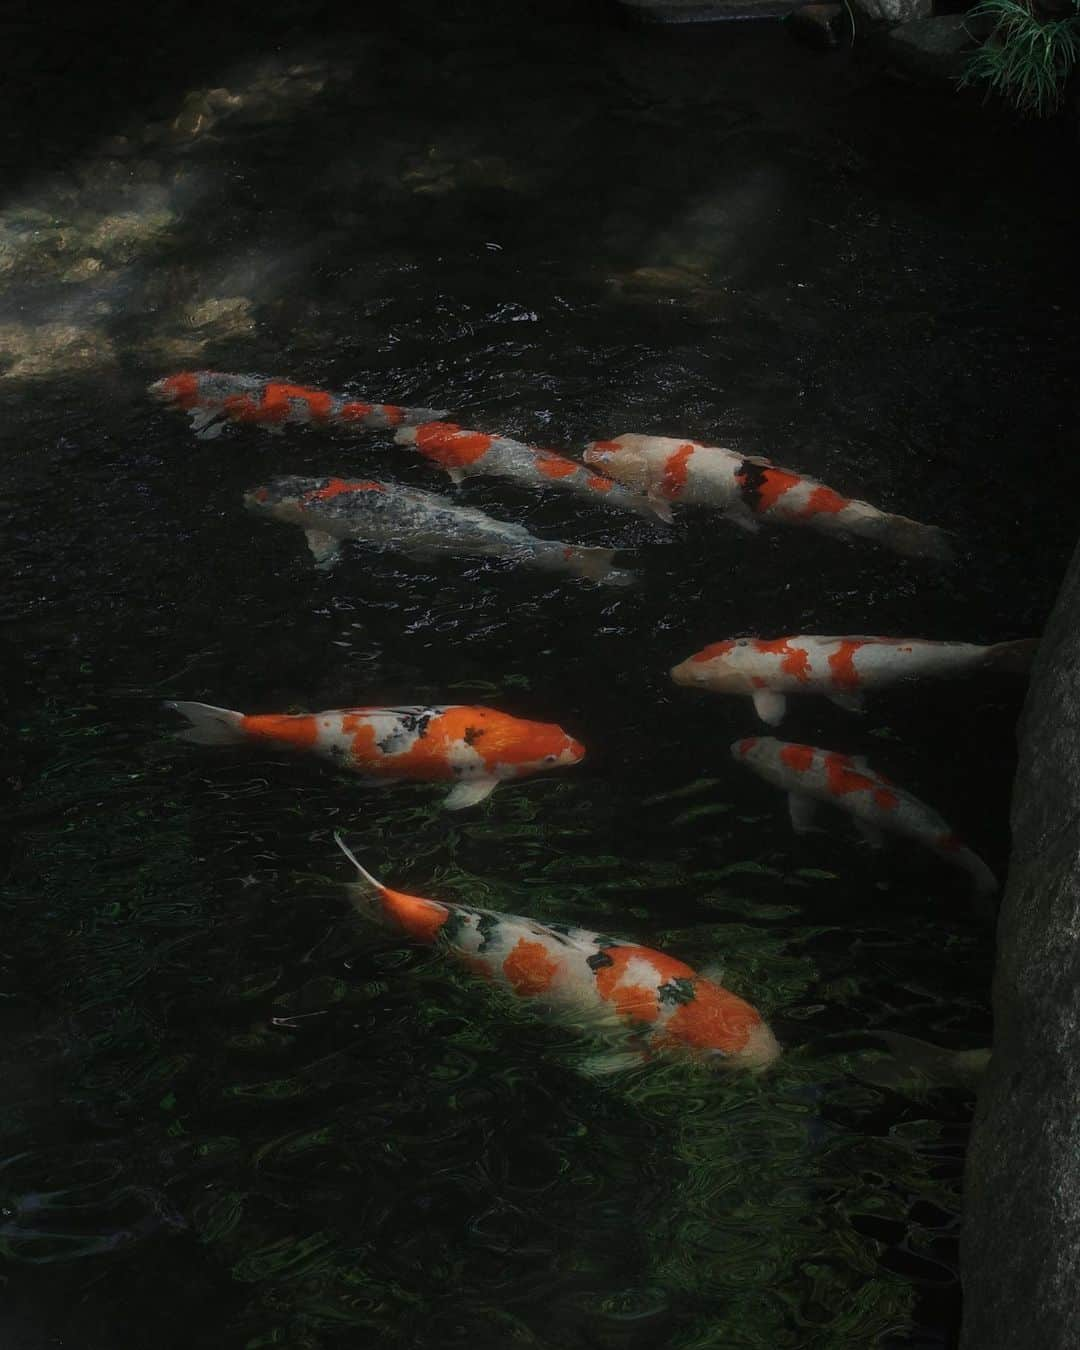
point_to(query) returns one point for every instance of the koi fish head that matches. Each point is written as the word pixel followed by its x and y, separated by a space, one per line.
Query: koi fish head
pixel 757 751
pixel 181 389
pixel 717 667
pixel 514 747
pixel 292 497
pixel 620 459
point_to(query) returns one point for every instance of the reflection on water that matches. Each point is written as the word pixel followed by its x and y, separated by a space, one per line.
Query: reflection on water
pixel 234 1116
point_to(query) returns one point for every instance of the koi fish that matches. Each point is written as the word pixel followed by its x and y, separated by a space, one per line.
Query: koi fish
pixel 330 510
pixel 609 984
pixel 476 749
pixel 463 453
pixel 211 399
pixel 809 775
pixel 749 489
pixel 841 668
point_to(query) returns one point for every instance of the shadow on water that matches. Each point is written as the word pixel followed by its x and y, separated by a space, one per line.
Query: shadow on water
pixel 232 1116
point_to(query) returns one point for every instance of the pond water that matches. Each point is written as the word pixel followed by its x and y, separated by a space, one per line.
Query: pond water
pixel 233 1115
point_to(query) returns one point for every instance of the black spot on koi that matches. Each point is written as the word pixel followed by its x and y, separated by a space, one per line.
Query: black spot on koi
pixel 750 477
pixel 680 990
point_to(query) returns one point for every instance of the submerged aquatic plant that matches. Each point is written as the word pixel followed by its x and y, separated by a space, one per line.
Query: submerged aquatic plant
pixel 1026 59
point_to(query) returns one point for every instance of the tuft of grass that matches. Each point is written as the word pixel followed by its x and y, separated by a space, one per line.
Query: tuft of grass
pixel 1026 60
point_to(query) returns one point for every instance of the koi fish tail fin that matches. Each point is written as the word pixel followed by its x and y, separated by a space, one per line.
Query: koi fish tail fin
pixel 405 436
pixel 935 1063
pixel 365 893
pixel 209 725
pixel 597 564
pixel 1012 658
pixel 914 539
pixel 371 881
pixel 984 881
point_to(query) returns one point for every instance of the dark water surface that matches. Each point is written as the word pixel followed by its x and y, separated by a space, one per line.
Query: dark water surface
pixel 233 1116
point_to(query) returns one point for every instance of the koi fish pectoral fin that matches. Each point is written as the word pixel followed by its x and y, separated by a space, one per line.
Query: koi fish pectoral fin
pixel 769 706
pixel 325 549
pixel 456 476
pixel 661 509
pixel 206 423
pixel 469 794
pixel 850 702
pixel 607 1062
pixel 802 809
pixel 870 832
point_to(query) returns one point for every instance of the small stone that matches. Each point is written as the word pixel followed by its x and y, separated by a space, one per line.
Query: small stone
pixel 821 25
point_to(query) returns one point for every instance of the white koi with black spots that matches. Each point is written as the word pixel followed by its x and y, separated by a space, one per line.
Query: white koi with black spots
pixel 332 510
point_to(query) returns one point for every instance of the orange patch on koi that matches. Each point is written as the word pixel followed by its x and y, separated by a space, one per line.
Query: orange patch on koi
pixel 277 397
pixel 529 968
pixel 796 660
pixel 842 779
pixel 745 746
pixel 599 483
pixel 184 388
pixel 676 470
pixel 418 917
pixel 797 757
pixel 337 486
pixel 824 501
pixel 774 483
pixel 447 444
pixel 842 665
pixel 715 649
pixel 301 731
pixel 611 447
pixel 637 1001
pixel 364 749
pixel 355 412
pixel 713 1020
pixel 555 466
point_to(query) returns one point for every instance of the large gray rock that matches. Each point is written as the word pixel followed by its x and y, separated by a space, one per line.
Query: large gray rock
pixel 894 11
pixel 1020 1256
pixel 935 48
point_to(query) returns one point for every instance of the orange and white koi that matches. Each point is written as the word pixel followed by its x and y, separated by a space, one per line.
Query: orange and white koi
pixel 331 510
pixel 474 748
pixel 602 983
pixel 840 668
pixel 464 453
pixel 810 775
pixel 749 490
pixel 212 399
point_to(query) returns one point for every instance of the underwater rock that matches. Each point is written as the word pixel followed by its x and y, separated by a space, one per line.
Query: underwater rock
pixel 1020 1259
pixel 934 48
pixel 894 11
pixel 52 348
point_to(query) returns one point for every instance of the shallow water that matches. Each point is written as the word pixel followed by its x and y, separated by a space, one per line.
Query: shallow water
pixel 232 1115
